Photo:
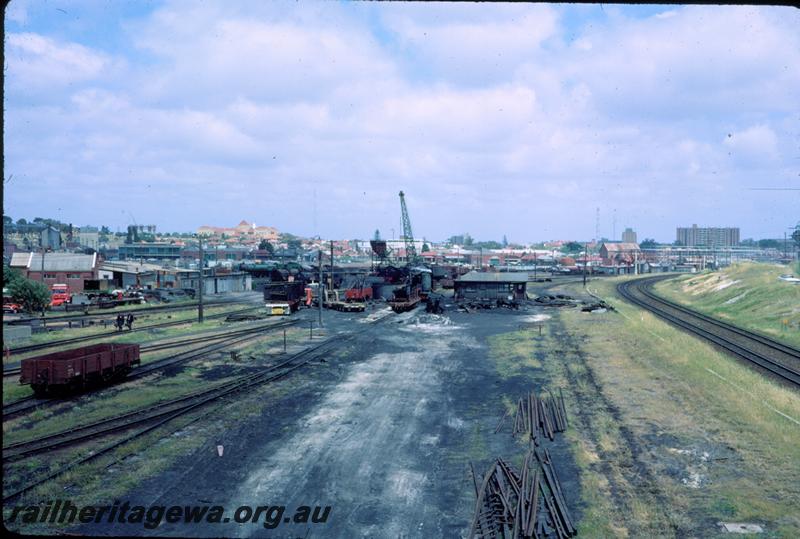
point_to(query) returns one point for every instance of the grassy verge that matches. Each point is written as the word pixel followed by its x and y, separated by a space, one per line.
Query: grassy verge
pixel 108 334
pixel 748 294
pixel 719 439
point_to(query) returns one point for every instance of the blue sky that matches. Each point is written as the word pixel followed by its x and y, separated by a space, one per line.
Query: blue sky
pixel 495 119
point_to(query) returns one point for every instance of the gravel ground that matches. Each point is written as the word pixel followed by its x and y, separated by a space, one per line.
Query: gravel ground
pixel 383 432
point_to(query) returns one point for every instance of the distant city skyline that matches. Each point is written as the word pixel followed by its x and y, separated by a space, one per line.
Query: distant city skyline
pixel 495 119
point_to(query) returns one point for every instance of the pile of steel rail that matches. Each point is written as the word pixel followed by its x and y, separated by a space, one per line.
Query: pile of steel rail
pixel 527 503
pixel 522 504
pixel 534 415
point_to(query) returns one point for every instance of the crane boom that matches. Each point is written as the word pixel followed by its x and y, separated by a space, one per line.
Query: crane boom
pixel 408 235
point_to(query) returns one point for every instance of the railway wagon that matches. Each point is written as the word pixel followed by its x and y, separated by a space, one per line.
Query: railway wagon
pixel 284 293
pixel 71 370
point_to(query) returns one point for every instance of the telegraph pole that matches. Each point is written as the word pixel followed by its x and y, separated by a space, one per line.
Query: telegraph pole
pixel 320 286
pixel 43 251
pixel 200 281
pixel 585 255
pixel 332 285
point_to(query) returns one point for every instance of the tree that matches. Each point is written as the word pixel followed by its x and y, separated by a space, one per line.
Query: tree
pixel 505 241
pixel 425 248
pixel 294 244
pixel 648 243
pixel 31 295
pixel 468 240
pixel 22 221
pixel 264 245
pixel 10 275
pixel 377 235
pixel 7 220
pixel 768 244
pixel 573 247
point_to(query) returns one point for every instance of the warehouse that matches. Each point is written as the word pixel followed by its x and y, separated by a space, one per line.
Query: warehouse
pixel 476 285
pixel 77 271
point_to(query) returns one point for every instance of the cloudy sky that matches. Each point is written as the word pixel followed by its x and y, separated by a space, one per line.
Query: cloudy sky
pixel 494 119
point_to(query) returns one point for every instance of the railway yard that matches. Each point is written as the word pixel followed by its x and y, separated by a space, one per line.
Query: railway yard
pixel 633 416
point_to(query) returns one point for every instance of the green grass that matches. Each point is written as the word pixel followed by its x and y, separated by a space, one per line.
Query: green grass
pixel 666 382
pixel 513 353
pixel 756 299
pixel 55 315
pixel 108 334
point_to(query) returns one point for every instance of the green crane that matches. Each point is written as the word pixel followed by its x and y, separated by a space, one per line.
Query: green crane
pixel 408 235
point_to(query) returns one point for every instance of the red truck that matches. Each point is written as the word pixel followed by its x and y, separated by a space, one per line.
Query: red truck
pixel 59 295
pixel 79 368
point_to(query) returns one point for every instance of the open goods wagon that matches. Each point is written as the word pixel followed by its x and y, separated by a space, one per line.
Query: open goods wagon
pixel 75 369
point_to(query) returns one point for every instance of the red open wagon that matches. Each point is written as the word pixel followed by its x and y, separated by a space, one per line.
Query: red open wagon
pixel 75 369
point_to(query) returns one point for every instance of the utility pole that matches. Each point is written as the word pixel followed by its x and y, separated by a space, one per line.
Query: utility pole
pixel 200 282
pixel 481 259
pixel 535 265
pixel 320 286
pixel 585 254
pixel 332 287
pixel 43 251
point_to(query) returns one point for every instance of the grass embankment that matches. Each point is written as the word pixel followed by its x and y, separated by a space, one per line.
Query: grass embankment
pixel 749 295
pixel 670 436
pixel 720 439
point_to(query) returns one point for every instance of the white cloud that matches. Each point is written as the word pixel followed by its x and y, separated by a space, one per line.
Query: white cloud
pixel 758 142
pixel 482 106
pixel 39 62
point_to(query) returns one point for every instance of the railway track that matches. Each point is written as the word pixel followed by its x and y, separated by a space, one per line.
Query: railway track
pixel 155 416
pixel 85 338
pixel 779 359
pixel 111 313
pixel 15 370
pixel 226 340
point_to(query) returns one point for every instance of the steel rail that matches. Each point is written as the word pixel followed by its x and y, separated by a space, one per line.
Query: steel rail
pixel 256 379
pixel 27 403
pixel 629 289
pixel 646 289
pixel 83 338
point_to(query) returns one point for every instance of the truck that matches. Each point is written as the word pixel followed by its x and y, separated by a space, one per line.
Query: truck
pixel 59 295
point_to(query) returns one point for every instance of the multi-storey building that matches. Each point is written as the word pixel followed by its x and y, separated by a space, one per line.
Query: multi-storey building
pixel 629 236
pixel 695 236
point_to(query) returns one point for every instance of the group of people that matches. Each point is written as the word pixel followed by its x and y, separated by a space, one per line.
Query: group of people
pixel 122 320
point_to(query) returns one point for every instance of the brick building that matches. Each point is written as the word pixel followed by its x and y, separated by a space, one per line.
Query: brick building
pixel 77 271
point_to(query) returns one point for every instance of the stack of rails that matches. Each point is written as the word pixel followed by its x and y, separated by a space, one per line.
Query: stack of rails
pixel 534 415
pixel 522 504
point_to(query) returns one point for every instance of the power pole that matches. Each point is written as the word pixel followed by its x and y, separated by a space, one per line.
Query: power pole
pixel 43 251
pixel 332 286
pixel 585 255
pixel 201 284
pixel 320 286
